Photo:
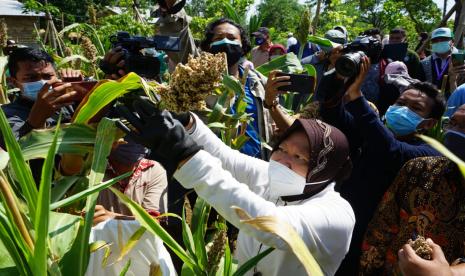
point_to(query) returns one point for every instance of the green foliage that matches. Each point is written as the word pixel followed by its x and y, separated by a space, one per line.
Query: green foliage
pixel 284 15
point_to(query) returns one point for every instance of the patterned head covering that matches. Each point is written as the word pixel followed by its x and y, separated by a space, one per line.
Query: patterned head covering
pixel 329 150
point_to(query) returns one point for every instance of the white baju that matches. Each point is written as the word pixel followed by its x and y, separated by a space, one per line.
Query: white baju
pixel 225 177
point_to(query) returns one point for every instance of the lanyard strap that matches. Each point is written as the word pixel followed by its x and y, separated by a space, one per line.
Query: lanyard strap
pixel 444 67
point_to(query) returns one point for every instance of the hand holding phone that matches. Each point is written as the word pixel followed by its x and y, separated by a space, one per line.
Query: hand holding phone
pixel 457 59
pixel 300 83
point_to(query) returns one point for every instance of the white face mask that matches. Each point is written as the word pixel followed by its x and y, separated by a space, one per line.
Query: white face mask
pixel 31 89
pixel 284 181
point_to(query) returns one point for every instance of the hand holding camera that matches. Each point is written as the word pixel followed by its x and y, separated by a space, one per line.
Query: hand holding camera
pixel 354 91
pixel 52 97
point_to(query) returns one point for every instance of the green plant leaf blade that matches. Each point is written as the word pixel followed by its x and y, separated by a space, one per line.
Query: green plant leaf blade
pixel 43 209
pixel 150 224
pixel 20 168
pixel 252 262
pixel 288 63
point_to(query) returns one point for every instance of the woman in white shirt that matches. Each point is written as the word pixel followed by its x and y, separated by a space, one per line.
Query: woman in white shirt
pixel 296 186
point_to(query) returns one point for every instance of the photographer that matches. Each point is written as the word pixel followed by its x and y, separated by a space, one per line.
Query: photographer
pixel 222 35
pixel 42 95
pixel 378 151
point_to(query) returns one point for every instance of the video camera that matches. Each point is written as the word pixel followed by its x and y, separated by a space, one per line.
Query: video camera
pixel 134 60
pixel 348 65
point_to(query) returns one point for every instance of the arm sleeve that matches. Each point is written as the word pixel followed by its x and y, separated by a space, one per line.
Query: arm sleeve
pixel 382 229
pixel 312 222
pixel 242 167
pixel 19 127
pixel 178 25
pixel 155 196
pixel 379 138
pixel 338 117
pixel 313 59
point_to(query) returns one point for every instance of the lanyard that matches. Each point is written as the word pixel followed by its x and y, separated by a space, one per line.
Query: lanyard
pixel 439 74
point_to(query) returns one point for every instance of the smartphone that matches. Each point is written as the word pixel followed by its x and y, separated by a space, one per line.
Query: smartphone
pixel 395 52
pixel 458 59
pixel 86 85
pixel 300 83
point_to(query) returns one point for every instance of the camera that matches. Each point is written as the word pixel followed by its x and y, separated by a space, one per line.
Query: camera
pixel 348 65
pixel 134 61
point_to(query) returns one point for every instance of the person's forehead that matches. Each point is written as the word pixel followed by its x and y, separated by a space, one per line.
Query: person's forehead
pixel 28 67
pixel 226 28
pixel 299 140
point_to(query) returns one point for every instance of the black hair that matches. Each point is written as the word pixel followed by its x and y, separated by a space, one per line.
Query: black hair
pixel 209 33
pixel 439 105
pixel 398 30
pixel 26 54
pixel 371 32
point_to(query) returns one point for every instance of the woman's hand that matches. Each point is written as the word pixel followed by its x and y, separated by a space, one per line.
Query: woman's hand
pixel 413 265
pixel 102 214
pixel 354 91
pixel 272 87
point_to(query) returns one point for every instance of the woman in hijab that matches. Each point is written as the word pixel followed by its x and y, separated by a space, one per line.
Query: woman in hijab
pixel 296 186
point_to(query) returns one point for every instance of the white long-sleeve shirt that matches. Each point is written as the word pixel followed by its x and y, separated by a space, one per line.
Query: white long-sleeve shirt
pixel 226 177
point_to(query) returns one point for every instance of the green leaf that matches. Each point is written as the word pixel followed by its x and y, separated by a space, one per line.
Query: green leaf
pixel 43 209
pixel 74 139
pixel 89 191
pixel 199 221
pixel 131 243
pixel 125 268
pixel 252 262
pixel 20 168
pixel 106 132
pixel 447 153
pixel 104 93
pixel 153 226
pixel 322 42
pixel 10 252
pixel 187 235
pixel 63 230
pixel 233 84
pixel 231 13
pixel 217 125
pixel 240 141
pixel 227 262
pixel 288 63
pixel 61 186
pixel 310 69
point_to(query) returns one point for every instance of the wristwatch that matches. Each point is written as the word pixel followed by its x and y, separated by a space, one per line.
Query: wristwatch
pixel 273 104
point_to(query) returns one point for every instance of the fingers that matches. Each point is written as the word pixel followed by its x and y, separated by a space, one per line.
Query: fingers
pixel 67 97
pixel 145 108
pixel 125 113
pixel 438 254
pixel 115 55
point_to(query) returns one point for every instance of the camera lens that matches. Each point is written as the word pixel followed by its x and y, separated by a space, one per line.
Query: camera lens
pixel 348 65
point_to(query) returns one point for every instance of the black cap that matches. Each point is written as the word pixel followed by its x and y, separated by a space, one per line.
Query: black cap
pixel 262 31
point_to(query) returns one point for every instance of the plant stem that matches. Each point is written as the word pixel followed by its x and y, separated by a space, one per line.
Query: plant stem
pixel 11 204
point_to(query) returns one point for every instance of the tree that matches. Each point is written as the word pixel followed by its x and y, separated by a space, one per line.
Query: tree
pixel 283 15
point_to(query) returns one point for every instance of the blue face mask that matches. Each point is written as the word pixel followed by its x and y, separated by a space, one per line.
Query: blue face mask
pixel 401 120
pixel 31 89
pixel 440 47
pixel 225 41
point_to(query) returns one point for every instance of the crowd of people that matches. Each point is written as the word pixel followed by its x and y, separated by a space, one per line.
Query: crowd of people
pixel 355 181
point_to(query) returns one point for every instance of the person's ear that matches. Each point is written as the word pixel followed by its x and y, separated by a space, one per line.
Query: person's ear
pixel 13 81
pixel 427 124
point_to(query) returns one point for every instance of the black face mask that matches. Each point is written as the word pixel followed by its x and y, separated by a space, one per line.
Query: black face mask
pixel 455 142
pixel 233 51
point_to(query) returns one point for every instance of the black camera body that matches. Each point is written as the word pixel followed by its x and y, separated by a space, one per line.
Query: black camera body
pixel 134 60
pixel 348 65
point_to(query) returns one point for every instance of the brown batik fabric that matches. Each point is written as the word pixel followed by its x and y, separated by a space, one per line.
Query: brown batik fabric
pixel 427 198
